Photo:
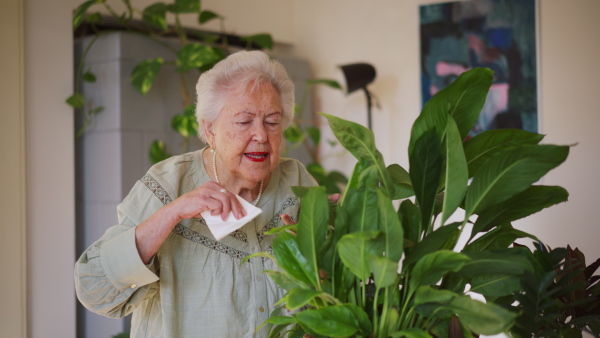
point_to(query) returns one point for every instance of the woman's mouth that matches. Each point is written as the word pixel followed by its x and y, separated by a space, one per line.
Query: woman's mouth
pixel 256 157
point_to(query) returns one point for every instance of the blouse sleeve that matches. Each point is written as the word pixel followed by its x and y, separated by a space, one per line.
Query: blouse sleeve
pixel 110 277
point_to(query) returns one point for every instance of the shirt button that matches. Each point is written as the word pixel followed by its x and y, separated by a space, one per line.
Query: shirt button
pixel 262 309
pixel 133 286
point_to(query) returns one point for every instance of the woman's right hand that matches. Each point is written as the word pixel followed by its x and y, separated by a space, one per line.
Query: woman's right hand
pixel 208 196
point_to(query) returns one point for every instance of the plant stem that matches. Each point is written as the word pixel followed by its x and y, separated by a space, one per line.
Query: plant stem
pixel 376 327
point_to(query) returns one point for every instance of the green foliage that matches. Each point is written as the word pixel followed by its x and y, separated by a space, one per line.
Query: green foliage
pixel 143 74
pixel 345 274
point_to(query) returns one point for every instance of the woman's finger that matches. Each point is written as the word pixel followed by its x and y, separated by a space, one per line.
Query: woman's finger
pixel 334 198
pixel 287 220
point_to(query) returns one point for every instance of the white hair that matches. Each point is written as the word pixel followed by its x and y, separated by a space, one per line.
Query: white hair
pixel 238 73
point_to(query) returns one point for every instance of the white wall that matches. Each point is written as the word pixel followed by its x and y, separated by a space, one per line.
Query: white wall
pixel 50 168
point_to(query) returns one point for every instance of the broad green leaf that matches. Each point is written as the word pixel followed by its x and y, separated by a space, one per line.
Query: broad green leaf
pixel 487 144
pixel 496 285
pixel 264 41
pixel 284 280
pixel 355 248
pixel 425 170
pixel 361 205
pixel 360 166
pixel 314 133
pixel 158 152
pixel 185 124
pixel 297 298
pixel 463 99
pixel 184 6
pixel 291 260
pixel 206 16
pixel 428 294
pixel 481 318
pixel 312 226
pixel 364 323
pixel 385 270
pixel 332 321
pixel 432 267
pixel 511 172
pixel 76 101
pixel 293 134
pixel 328 82
pixel 89 77
pixel 81 10
pixel 196 55
pixel 444 238
pixel 156 15
pixel 389 223
pixel 456 171
pixel 411 333
pixel 528 202
pixel 500 238
pixel 411 222
pixel 336 176
pixel 300 191
pixel 401 180
pixel 144 73
pixel 509 261
pixel 360 142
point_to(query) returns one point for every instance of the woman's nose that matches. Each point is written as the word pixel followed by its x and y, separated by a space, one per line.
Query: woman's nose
pixel 259 133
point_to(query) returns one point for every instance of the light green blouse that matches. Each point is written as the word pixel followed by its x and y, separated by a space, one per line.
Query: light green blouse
pixel 195 286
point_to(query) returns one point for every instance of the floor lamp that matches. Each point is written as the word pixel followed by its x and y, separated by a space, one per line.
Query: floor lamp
pixel 358 76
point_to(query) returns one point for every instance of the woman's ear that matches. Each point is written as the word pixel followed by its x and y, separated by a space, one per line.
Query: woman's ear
pixel 208 132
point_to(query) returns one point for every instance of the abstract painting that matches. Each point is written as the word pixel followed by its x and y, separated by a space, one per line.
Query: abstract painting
pixel 497 34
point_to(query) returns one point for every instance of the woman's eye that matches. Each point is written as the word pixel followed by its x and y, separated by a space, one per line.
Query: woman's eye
pixel 244 123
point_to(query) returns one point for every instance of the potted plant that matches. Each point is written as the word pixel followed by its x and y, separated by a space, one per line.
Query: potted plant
pixel 364 268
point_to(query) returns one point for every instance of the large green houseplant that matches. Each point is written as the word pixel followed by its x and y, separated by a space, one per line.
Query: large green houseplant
pixel 364 268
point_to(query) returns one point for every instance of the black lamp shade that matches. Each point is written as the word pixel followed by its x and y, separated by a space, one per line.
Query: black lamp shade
pixel 358 75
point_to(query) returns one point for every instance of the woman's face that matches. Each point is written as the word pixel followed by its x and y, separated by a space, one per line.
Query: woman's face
pixel 247 135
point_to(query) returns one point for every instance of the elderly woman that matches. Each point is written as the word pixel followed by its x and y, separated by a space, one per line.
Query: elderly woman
pixel 161 262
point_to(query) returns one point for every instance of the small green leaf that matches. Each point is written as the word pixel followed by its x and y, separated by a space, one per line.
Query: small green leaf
pixel 89 77
pixel 156 15
pixel 355 248
pixel 94 18
pixel 401 180
pixel 444 238
pixel 158 152
pixel 284 280
pixel 315 134
pixel 264 41
pixel 389 223
pixel 481 318
pixel 385 270
pixel 143 74
pixel 328 82
pixel 499 238
pixel 81 10
pixel 206 16
pixel 511 172
pixel 293 134
pixel 491 286
pixel 76 100
pixel 337 177
pixel 510 261
pixel 196 55
pixel 291 260
pixel 332 321
pixel 312 226
pixel 360 141
pixel 425 170
pixel 185 124
pixel 411 333
pixel 457 175
pixel 297 298
pixel 528 202
pixel 432 267
pixel 184 6
pixel 487 144
pixel 428 294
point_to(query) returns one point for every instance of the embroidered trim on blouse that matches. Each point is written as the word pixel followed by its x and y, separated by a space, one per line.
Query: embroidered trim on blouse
pixel 290 201
pixel 186 232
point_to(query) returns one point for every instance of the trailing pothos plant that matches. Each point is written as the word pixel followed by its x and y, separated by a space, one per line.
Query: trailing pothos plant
pixel 364 268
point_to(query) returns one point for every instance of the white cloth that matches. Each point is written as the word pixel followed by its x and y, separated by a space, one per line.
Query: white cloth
pixel 221 228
